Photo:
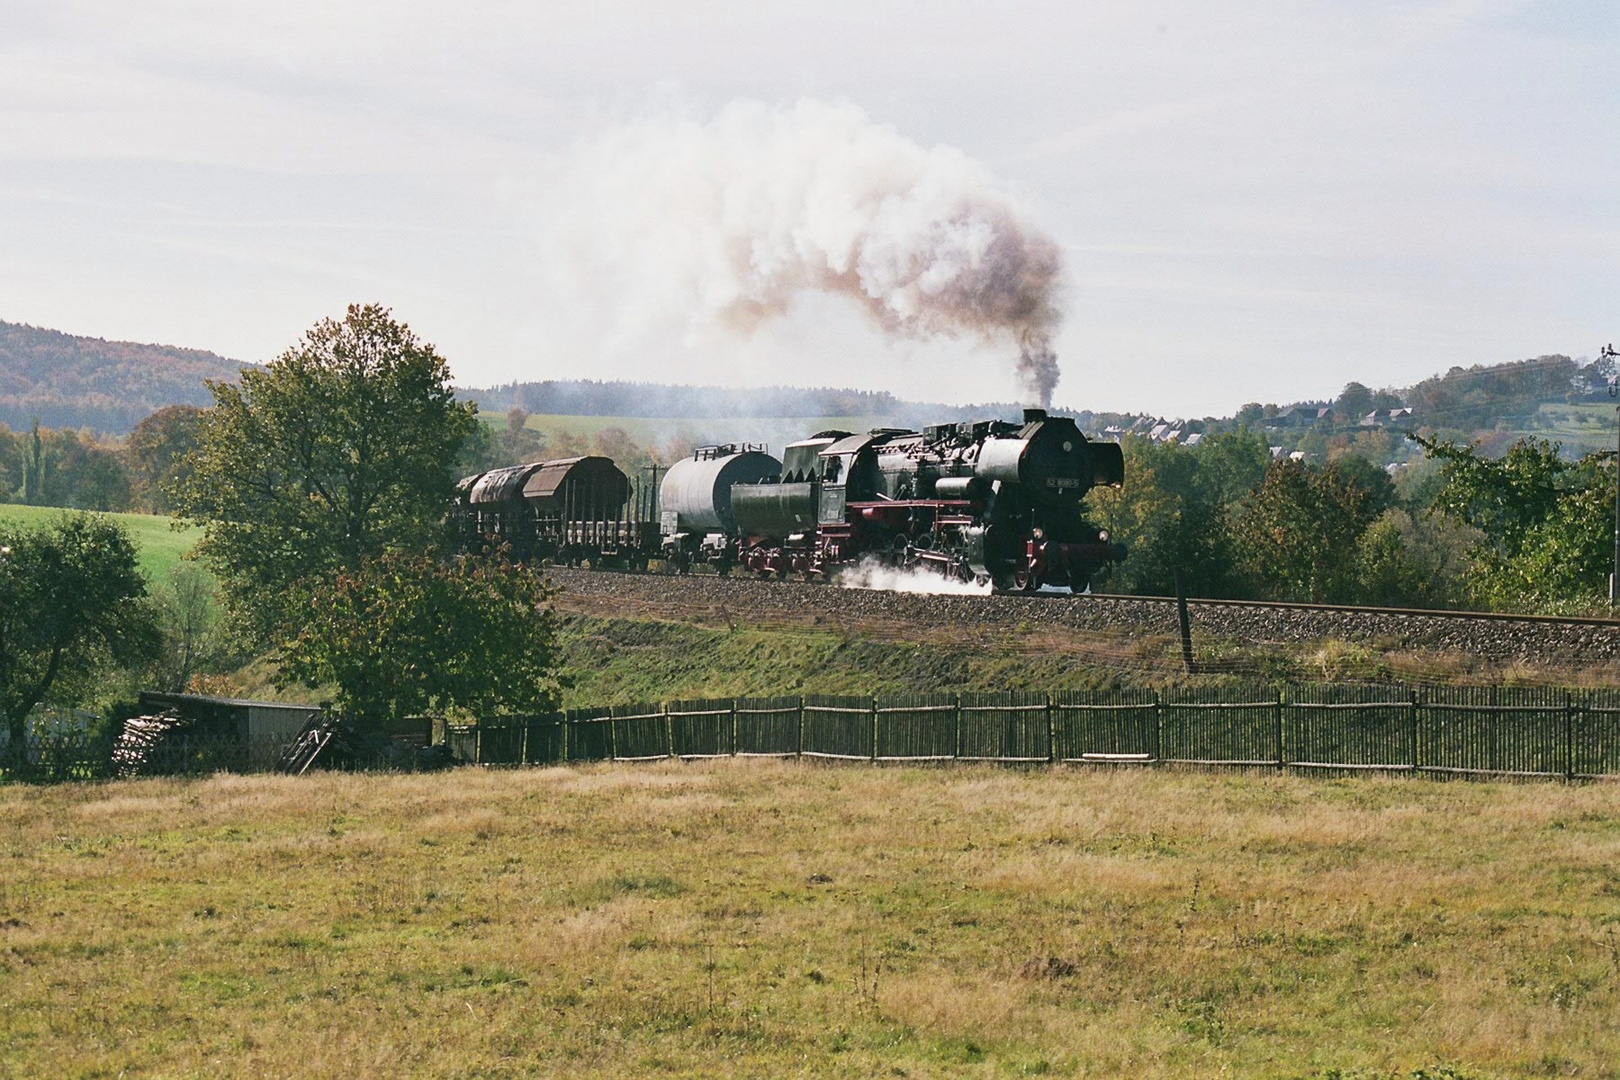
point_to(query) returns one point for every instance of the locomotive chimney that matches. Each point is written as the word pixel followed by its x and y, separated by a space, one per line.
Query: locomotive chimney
pixel 1032 415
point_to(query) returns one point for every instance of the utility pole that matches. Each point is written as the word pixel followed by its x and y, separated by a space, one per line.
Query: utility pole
pixel 1608 353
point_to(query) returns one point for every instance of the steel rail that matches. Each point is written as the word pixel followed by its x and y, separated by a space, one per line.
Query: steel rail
pixel 1353 609
pixel 1208 602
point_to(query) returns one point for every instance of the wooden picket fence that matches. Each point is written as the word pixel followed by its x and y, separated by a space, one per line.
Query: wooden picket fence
pixel 1481 731
pixel 1463 731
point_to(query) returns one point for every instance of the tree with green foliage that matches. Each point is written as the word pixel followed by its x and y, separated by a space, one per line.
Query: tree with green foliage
pixel 1297 533
pixel 1412 560
pixel 188 615
pixel 1173 515
pixel 402 634
pixel 71 604
pixel 1545 524
pixel 90 476
pixel 34 465
pixel 341 450
pixel 1355 401
pixel 158 452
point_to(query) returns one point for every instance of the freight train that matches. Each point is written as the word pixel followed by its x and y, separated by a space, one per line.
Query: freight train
pixel 984 500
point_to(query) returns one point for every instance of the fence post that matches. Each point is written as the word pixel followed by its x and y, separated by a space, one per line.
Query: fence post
pixel 733 727
pixel 956 750
pixel 874 707
pixel 1569 736
pixel 1412 728
pixel 1494 719
pixel 613 737
pixel 1158 729
pixel 1282 758
pixel 799 753
pixel 669 728
pixel 1051 732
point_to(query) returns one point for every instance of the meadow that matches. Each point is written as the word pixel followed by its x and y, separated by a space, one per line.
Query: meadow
pixel 764 919
pixel 158 544
pixel 1581 428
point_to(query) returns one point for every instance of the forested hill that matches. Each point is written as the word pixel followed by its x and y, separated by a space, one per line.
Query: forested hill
pixel 587 397
pixel 71 382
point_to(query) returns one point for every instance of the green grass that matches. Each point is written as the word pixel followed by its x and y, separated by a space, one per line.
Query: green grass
pixel 159 544
pixel 1581 428
pixel 623 661
pixel 763 919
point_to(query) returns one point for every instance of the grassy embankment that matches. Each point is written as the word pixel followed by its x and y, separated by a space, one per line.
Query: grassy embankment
pixel 748 918
pixel 158 543
pixel 621 661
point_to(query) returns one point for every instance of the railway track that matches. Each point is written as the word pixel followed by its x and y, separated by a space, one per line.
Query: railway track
pixel 1349 609
pixel 1499 638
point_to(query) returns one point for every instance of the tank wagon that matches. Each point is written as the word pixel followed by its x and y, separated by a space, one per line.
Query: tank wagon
pixel 983 500
pixel 696 518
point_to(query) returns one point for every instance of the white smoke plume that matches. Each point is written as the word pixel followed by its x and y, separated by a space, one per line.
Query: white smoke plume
pixel 729 221
pixel 871 574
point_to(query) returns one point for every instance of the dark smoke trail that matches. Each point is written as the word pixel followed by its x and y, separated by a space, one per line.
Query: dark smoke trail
pixel 725 223
pixel 1038 368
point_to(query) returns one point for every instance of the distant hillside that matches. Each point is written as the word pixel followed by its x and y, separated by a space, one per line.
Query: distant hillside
pixel 71 382
pixel 588 397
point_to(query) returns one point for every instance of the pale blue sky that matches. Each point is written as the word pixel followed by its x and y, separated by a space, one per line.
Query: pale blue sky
pixel 1255 201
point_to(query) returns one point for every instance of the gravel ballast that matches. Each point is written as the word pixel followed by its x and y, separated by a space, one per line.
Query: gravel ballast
pixel 743 601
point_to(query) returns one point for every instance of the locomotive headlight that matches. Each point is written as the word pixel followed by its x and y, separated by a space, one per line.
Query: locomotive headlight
pixel 1102 536
pixel 1068 447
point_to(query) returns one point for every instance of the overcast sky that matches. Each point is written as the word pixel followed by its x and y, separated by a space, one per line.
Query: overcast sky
pixel 1254 202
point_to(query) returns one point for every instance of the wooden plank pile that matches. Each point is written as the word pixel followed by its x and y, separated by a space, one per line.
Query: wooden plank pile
pixel 140 748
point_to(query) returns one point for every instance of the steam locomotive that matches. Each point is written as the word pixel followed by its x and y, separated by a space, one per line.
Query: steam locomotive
pixel 982 500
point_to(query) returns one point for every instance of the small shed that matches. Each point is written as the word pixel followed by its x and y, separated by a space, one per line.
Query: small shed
pixel 264 727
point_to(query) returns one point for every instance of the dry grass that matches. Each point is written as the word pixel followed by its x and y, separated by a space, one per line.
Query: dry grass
pixel 749 918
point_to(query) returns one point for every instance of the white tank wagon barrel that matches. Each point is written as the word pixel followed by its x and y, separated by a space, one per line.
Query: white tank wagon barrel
pixel 696 521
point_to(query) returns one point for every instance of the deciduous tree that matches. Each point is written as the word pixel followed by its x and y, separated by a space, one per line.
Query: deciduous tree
pixel 1544 524
pixel 1174 513
pixel 70 603
pixel 404 633
pixel 1298 532
pixel 342 449
pixel 158 449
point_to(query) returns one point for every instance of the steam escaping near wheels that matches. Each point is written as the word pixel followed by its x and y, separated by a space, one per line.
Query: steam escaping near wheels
pixel 872 574
pixel 673 222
